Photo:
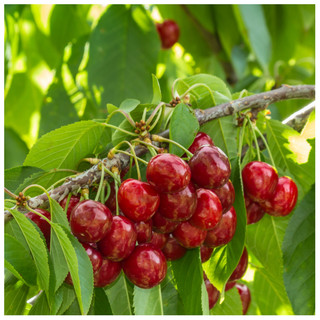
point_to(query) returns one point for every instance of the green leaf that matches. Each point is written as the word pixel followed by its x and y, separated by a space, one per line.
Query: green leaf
pixel 156 90
pixel 41 306
pixel 147 301
pixel 73 309
pixel 299 256
pixel 231 304
pixel 101 302
pixel 68 297
pixel 182 129
pixel 15 297
pixel 12 228
pixel 129 105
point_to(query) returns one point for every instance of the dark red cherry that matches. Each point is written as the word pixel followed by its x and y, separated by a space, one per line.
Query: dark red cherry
pixel 173 250
pixel 245 296
pixel 144 231
pixel 179 206
pixel 284 198
pixel 254 211
pixel 137 200
pixel 120 241
pixel 158 239
pixel 241 268
pixel 162 225
pixel 107 273
pixel 168 173
pixel 188 235
pixel 43 225
pixel 205 253
pixel 210 167
pixel 74 200
pixel 90 221
pixel 169 33
pixel 146 267
pixel 208 211
pixel 226 196
pixel 224 231
pixel 200 140
pixel 230 285
pixel 111 202
pixel 213 293
pixel 259 180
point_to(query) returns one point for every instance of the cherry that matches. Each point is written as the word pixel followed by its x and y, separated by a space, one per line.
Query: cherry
pixel 163 225
pixel 111 201
pixel 224 231
pixel 200 140
pixel 173 250
pixel 146 267
pixel 284 198
pixel 74 200
pixel 137 200
pixel 245 296
pixel 188 235
pixel 168 173
pixel 226 195
pixel 210 167
pixel 241 268
pixel 213 293
pixel 158 239
pixel 144 231
pixel 120 241
pixel 169 33
pixel 230 285
pixel 90 221
pixel 179 206
pixel 254 211
pixel 43 225
pixel 208 211
pixel 107 273
pixel 205 253
pixel 259 180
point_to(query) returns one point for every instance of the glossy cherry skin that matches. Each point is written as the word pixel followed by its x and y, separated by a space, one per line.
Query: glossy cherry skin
pixel 254 211
pixel 208 211
pixel 120 241
pixel 213 293
pixel 144 231
pixel 90 221
pixel 111 201
pixel 201 139
pixel 146 267
pixel 224 231
pixel 259 180
pixel 162 225
pixel 173 250
pixel 138 200
pixel 188 235
pixel 226 195
pixel 158 239
pixel 169 33
pixel 179 206
pixel 107 273
pixel 74 200
pixel 241 268
pixel 210 167
pixel 284 198
pixel 168 173
pixel 230 285
pixel 43 225
pixel 205 253
pixel 245 296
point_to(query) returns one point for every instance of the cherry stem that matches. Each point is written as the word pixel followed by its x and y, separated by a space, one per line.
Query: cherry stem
pixel 144 114
pixel 11 194
pixel 196 86
pixel 168 119
pixel 59 181
pixel 84 194
pixel 111 174
pixel 173 86
pixel 108 192
pixel 126 115
pixel 116 187
pixel 10 200
pixel 147 144
pixel 254 137
pixel 241 137
pixel 154 112
pixel 152 151
pixel 101 182
pixel 129 154
pixel 67 203
pixel 266 144
pixel 122 130
pixel 155 122
pixel 162 139
pixel 39 214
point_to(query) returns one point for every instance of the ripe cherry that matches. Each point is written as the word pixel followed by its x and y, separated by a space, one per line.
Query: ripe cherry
pixel 213 293
pixel 224 231
pixel 179 206
pixel 163 225
pixel 208 211
pixel 137 200
pixel 74 200
pixel 205 253
pixel 254 211
pixel 120 241
pixel 245 296
pixel 173 250
pixel 146 267
pixel 43 225
pixel 210 167
pixel 168 173
pixel 200 140
pixel 259 180
pixel 230 285
pixel 107 273
pixel 241 268
pixel 111 201
pixel 169 33
pixel 144 231
pixel 90 221
pixel 158 239
pixel 226 195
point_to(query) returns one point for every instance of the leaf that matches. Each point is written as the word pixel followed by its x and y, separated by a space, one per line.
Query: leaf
pixel 129 105
pixel 182 129
pixel 156 90
pixel 12 228
pixel 147 301
pixel 231 304
pixel 15 297
pixel 299 256
pixel 41 306
pixel 68 297
pixel 101 302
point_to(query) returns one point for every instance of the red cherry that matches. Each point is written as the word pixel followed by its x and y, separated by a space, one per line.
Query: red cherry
pixel 90 221
pixel 210 167
pixel 74 200
pixel 208 211
pixel 224 231
pixel 254 211
pixel 241 268
pixel 138 200
pixel 43 225
pixel 230 285
pixel 245 296
pixel 158 239
pixel 107 273
pixel 188 235
pixel 213 293
pixel 172 249
pixel 163 225
pixel 226 196
pixel 259 180
pixel 200 140
pixel 144 231
pixel 205 253
pixel 179 206
pixel 120 241
pixel 146 267
pixel 284 198
pixel 169 33
pixel 168 173
pixel 111 201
